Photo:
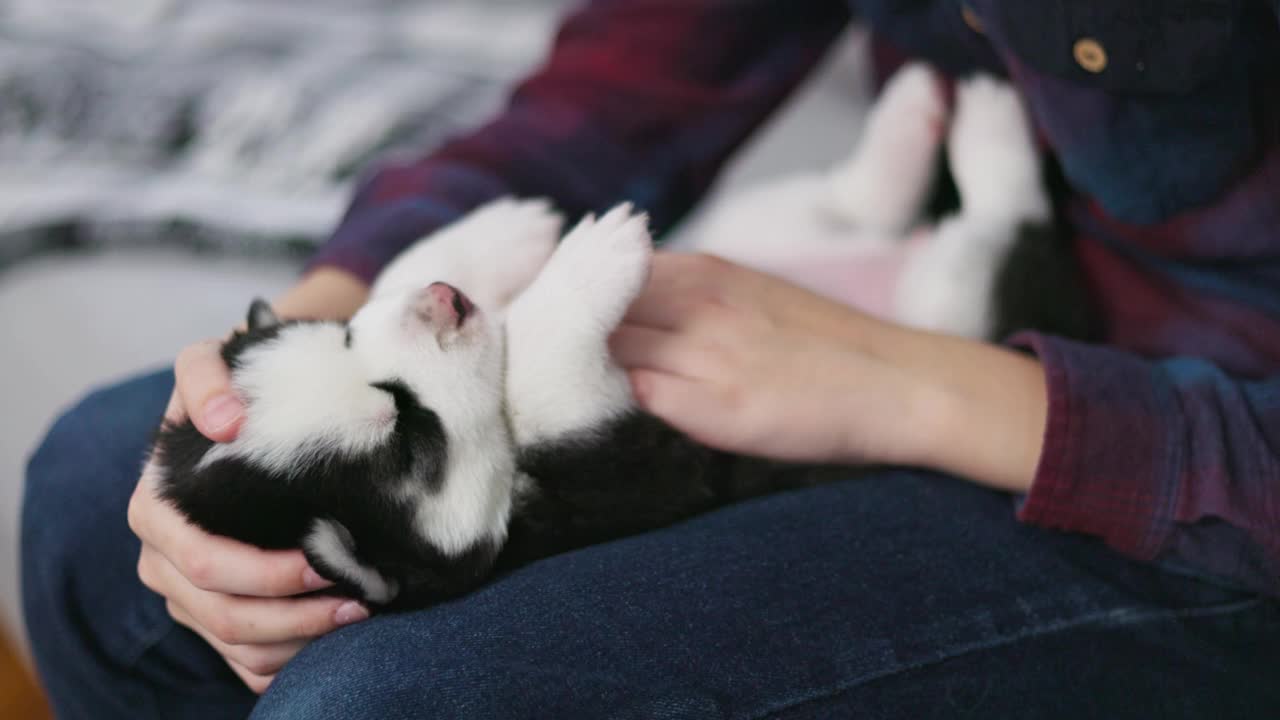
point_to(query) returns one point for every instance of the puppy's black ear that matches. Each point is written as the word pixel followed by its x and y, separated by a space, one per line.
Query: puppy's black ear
pixel 261 316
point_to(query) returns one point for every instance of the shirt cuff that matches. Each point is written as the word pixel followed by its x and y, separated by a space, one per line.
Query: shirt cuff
pixel 1111 462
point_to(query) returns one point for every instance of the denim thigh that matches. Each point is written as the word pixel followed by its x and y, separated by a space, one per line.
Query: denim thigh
pixel 902 594
pixel 899 595
pixel 104 645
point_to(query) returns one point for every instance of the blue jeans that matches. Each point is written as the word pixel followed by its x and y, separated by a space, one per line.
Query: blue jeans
pixel 905 595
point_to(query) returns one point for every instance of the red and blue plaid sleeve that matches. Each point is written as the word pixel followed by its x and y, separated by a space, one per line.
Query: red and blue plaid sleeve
pixel 1167 443
pixel 1171 461
pixel 640 100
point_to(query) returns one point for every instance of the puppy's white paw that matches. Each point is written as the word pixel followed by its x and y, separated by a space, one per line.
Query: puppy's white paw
pixel 993 154
pixel 948 285
pixel 513 239
pixel 602 264
pixel 882 186
pixel 561 378
pixel 988 112
pixel 492 253
pixel 494 230
pixel 911 112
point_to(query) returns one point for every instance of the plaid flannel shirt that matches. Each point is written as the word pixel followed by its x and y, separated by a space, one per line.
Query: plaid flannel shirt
pixel 1165 441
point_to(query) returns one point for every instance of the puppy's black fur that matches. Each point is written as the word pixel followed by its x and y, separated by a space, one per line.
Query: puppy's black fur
pixel 1040 285
pixel 627 476
pixel 631 475
pixel 240 500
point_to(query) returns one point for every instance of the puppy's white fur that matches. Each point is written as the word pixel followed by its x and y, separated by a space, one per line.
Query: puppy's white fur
pixel 992 152
pixel 560 375
pixel 491 254
pixel 539 369
pixel 333 543
pixel 457 373
pixel 882 187
pixel 287 424
pixel 949 286
pixel 863 208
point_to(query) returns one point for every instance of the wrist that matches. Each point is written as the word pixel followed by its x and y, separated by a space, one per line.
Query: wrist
pixel 991 420
pixel 326 293
pixel 971 409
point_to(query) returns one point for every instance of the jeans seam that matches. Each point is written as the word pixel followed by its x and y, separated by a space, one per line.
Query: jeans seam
pixel 149 640
pixel 1118 617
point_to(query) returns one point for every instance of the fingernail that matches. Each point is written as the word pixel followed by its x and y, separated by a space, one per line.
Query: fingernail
pixel 311 580
pixel 221 411
pixel 349 612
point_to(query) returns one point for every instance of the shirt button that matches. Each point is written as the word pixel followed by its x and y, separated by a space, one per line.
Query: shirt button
pixel 1090 55
pixel 971 19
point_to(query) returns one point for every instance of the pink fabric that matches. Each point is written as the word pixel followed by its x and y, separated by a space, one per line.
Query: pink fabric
pixel 865 279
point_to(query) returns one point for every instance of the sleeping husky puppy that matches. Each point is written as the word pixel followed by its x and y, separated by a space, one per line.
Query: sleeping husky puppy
pixel 466 421
pixel 430 441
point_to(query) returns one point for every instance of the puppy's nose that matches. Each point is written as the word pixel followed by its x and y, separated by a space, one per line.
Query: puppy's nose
pixel 442 303
pixel 440 292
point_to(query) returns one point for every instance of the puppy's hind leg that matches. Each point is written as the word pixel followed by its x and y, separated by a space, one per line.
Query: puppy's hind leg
pixel 882 186
pixel 993 155
pixel 949 285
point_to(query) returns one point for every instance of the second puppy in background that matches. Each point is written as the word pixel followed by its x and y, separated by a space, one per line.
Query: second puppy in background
pixel 859 233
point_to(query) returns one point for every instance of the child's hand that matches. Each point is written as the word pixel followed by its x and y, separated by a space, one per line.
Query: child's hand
pixel 745 362
pixel 748 363
pixel 235 596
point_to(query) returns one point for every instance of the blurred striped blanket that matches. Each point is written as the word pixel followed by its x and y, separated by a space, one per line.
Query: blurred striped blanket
pixel 234 124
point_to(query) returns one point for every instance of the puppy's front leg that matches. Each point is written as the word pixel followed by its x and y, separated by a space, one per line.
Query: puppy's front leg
pixel 561 379
pixel 491 254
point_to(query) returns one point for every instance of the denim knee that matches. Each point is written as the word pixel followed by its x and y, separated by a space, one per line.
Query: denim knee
pixel 458 660
pixel 86 613
pixel 82 473
pixel 372 671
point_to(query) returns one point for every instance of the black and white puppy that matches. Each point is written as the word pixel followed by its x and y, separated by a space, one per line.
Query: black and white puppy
pixel 433 441
pixel 469 418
